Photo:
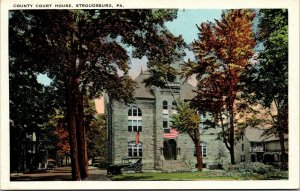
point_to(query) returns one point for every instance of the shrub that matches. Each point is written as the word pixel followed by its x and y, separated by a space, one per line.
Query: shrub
pixel 277 174
pixel 255 167
pixel 255 171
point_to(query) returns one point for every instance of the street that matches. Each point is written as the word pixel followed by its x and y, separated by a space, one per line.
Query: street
pixel 59 174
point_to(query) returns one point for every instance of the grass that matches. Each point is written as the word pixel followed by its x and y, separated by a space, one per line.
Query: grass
pixel 204 175
pixel 173 176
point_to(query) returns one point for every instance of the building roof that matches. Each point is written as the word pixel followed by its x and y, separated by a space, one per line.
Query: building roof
pixel 275 138
pixel 256 135
pixel 142 91
pixel 187 91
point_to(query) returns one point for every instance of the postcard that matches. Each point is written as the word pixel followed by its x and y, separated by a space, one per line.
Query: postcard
pixel 149 95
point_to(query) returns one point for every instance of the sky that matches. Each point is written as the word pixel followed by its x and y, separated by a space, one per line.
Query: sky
pixel 185 24
pixel 187 19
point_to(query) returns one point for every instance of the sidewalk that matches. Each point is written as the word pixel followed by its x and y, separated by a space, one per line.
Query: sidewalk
pixel 59 174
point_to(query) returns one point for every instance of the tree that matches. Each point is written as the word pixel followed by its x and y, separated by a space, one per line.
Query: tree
pixel 187 121
pixel 62 146
pixel 28 116
pixel 222 51
pixel 84 49
pixel 97 138
pixel 266 80
pixel 96 132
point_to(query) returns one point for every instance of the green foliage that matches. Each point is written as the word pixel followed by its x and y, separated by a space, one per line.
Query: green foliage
pixel 98 39
pixel 160 74
pixel 82 51
pixel 187 119
pixel 213 175
pixel 96 132
pixel 223 50
pixel 254 167
pixel 255 171
pixel 96 138
pixel 30 107
pixel 266 80
pixel 205 175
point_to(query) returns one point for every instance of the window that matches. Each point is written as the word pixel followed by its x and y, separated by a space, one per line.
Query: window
pixel 165 105
pixel 166 125
pixel 135 122
pixel 135 125
pixel 174 105
pixel 242 158
pixel 165 121
pixel 242 146
pixel 134 111
pixel 204 150
pixel 135 150
pixel 130 112
pixel 242 138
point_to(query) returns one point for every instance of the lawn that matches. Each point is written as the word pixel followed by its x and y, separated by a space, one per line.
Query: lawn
pixel 205 175
pixel 216 175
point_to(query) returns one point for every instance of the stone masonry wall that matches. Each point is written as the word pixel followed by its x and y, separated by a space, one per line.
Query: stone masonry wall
pixel 239 151
pixel 122 136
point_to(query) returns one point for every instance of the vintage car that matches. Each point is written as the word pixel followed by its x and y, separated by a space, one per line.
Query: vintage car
pixel 127 165
pixel 51 164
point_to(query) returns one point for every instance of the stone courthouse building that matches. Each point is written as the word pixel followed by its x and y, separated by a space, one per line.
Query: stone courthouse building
pixel 143 129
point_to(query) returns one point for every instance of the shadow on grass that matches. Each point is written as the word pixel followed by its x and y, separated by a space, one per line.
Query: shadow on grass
pixel 42 178
pixel 132 178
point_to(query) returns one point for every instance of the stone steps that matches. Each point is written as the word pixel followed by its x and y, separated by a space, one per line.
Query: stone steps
pixel 175 165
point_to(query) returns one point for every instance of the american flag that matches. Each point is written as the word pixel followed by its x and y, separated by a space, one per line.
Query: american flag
pixel 137 137
pixel 172 135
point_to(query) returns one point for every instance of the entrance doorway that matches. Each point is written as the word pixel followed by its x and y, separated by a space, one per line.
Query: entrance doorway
pixel 170 149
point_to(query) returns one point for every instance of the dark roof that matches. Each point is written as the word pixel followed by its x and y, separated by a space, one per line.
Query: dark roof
pixel 256 135
pixel 141 90
pixel 187 91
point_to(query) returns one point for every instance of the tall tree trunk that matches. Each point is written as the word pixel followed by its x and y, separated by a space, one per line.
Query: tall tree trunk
pixel 231 136
pixel 198 149
pixel 71 123
pixel 81 140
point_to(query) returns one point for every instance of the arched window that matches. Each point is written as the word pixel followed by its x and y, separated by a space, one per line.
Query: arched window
pixel 134 111
pixel 165 105
pixel 135 122
pixel 130 112
pixel 135 150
